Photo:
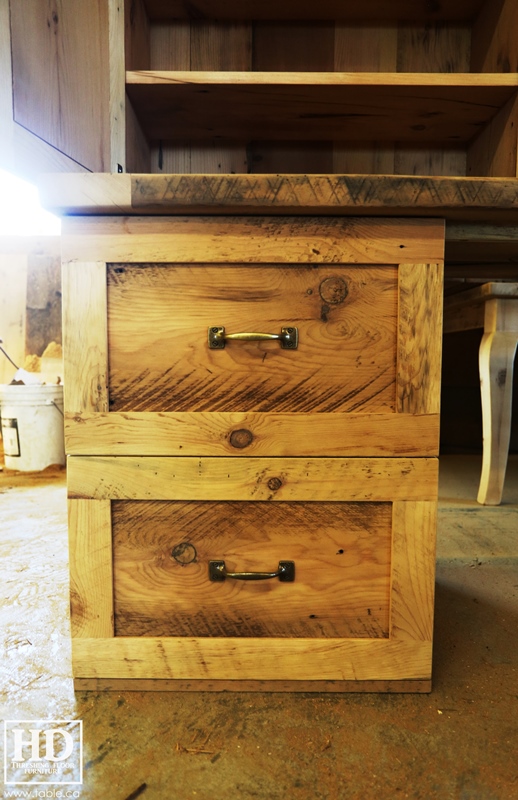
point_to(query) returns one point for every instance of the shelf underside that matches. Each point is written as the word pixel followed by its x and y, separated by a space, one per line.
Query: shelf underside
pixel 237 106
pixel 455 10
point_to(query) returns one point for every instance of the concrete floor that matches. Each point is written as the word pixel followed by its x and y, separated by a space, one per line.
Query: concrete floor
pixel 459 743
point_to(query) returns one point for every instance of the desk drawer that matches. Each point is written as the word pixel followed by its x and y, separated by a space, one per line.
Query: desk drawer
pixel 340 357
pixel 360 534
pixel 340 554
pixel 153 366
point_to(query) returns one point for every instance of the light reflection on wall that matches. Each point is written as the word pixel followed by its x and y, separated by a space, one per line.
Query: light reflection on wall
pixel 20 210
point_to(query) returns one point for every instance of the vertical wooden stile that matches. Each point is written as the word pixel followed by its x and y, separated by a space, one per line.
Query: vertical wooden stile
pixel 413 570
pixel 91 574
pixel 117 87
pixel 419 344
pixel 85 346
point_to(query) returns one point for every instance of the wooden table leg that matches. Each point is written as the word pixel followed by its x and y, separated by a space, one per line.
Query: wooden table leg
pixel 496 360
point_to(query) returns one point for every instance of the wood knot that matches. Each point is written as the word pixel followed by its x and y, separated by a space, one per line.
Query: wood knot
pixel 241 438
pixel 333 290
pixel 184 553
pixel 274 484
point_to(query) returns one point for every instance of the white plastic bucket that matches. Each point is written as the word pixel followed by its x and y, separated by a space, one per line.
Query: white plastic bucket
pixel 32 426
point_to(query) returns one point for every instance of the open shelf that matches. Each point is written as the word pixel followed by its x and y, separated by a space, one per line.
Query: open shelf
pixel 453 10
pixel 378 87
pixel 408 87
pixel 336 106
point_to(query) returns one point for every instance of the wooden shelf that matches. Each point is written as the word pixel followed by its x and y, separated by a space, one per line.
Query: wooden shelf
pixel 336 106
pixel 454 10
pixel 455 199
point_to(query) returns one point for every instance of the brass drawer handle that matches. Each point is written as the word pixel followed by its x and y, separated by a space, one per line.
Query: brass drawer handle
pixel 288 337
pixel 285 573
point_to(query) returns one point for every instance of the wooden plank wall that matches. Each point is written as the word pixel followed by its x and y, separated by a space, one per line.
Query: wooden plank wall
pixel 292 47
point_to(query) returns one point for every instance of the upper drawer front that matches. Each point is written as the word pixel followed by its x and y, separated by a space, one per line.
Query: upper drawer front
pixel 160 358
pixel 140 296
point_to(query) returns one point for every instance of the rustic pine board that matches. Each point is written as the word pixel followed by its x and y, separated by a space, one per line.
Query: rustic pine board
pixel 251 240
pixel 248 658
pixel 91 571
pixel 207 685
pixel 458 199
pixel 254 479
pixel 206 433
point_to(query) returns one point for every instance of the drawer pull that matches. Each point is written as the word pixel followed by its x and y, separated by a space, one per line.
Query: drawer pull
pixel 288 337
pixel 285 573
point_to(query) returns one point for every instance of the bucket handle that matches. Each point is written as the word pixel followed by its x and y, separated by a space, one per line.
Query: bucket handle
pixel 53 403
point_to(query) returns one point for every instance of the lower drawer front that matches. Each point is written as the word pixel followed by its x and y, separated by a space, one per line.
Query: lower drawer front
pixel 341 553
pixel 360 533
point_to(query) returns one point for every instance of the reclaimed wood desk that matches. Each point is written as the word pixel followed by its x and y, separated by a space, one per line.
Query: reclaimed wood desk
pixel 252 429
pixel 188 462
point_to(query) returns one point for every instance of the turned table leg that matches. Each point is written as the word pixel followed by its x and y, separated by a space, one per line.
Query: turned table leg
pixel 496 360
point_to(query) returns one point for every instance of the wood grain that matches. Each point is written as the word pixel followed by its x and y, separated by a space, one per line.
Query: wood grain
pixel 85 344
pixel 369 10
pixel 420 331
pixel 209 434
pixel 496 366
pixel 249 659
pixel 138 150
pixel 199 46
pixel 238 106
pixel 116 89
pixel 98 194
pixel 494 152
pixel 486 200
pixel 33 157
pixel 434 47
pixel 325 194
pixel 138 36
pixel 245 240
pixel 259 479
pixel 91 577
pixel 364 48
pixel 465 310
pixel 493 47
pixel 158 318
pixel 342 567
pixel 165 685
pixel 482 251
pixel 413 571
pixel 74 118
pixel 444 161
pixel 463 318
